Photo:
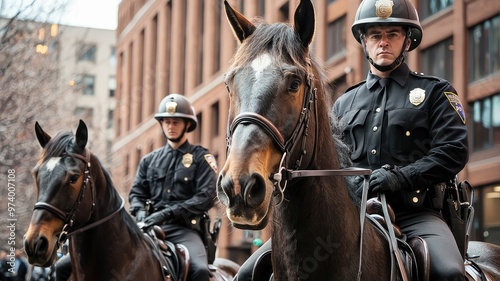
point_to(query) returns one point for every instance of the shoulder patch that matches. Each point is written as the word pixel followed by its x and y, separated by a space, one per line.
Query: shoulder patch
pixel 211 161
pixel 456 104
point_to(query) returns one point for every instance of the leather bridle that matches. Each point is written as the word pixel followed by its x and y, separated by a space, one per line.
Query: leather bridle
pixel 288 146
pixel 69 217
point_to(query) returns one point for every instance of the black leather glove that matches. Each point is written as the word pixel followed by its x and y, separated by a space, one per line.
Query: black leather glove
pixel 140 215
pixel 158 218
pixel 387 179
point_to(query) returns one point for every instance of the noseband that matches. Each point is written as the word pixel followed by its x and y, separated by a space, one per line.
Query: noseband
pixel 69 217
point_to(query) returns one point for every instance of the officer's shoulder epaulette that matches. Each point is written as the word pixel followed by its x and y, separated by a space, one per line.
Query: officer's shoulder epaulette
pixel 355 86
pixel 422 75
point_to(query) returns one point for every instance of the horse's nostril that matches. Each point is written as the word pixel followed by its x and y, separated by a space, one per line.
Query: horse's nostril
pixel 254 191
pixel 225 190
pixel 41 245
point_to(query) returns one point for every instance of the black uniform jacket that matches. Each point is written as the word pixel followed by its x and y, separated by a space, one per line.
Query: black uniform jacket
pixel 416 123
pixel 188 190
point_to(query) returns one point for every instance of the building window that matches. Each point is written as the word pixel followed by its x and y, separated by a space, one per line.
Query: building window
pixel 437 60
pixel 87 52
pixel 88 82
pixel 110 119
pixel 484 44
pixel 262 7
pixel 486 123
pixel 429 8
pixel 491 213
pixel 284 12
pixel 112 57
pixel 215 119
pixel 335 38
pixel 112 85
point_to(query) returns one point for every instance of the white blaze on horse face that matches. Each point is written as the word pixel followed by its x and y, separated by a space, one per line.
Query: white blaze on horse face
pixel 52 163
pixel 261 63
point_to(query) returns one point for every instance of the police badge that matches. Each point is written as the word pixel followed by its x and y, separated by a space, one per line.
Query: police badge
pixel 417 96
pixel 171 107
pixel 187 160
pixel 383 8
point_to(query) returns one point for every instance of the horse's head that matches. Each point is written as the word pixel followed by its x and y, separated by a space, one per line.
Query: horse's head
pixel 62 178
pixel 272 89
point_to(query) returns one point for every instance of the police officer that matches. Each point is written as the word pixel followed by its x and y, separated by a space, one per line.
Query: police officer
pixel 179 179
pixel 407 127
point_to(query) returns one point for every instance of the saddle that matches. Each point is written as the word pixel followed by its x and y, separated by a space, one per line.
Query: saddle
pixel 175 260
pixel 414 253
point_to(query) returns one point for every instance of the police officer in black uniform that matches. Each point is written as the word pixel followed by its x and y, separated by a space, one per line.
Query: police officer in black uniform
pixel 179 179
pixel 407 127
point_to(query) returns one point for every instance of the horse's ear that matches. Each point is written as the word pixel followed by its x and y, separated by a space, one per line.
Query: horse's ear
pixel 43 137
pixel 242 27
pixel 305 22
pixel 81 136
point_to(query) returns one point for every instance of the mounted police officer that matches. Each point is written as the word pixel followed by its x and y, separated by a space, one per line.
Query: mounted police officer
pixel 179 181
pixel 407 127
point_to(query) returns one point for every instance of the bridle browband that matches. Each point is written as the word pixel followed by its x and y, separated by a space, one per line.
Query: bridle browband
pixel 69 217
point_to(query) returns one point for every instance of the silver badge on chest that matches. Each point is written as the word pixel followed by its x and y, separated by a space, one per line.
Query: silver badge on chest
pixel 417 96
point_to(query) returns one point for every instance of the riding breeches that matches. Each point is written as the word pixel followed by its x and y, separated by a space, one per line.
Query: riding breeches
pixel 445 258
pixel 198 269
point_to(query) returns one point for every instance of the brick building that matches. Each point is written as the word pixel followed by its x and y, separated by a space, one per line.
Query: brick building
pixel 185 46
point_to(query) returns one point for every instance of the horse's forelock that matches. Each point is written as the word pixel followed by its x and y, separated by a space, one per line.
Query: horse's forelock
pixel 62 142
pixel 279 40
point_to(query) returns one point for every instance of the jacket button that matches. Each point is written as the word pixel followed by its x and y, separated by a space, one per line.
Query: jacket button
pixel 377 109
pixel 407 133
pixel 168 190
pixel 375 128
pixel 185 179
pixel 374 151
pixel 415 200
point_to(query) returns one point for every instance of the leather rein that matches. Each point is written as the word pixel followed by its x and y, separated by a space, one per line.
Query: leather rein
pixel 286 147
pixel 69 217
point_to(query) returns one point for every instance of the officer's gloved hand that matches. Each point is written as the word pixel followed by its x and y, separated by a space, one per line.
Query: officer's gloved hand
pixel 387 179
pixel 140 215
pixel 158 218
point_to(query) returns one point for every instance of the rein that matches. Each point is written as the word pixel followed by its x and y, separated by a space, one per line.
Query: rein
pixel 69 217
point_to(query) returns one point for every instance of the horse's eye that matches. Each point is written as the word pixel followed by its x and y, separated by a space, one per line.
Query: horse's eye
pixel 294 86
pixel 73 179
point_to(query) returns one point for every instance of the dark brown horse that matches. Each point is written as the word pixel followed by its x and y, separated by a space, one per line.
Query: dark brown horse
pixel 279 136
pixel 77 199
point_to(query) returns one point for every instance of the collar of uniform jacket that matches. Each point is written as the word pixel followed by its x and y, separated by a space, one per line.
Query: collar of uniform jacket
pixel 183 149
pixel 400 75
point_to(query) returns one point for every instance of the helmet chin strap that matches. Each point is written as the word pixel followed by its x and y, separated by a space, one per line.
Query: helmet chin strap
pixel 384 68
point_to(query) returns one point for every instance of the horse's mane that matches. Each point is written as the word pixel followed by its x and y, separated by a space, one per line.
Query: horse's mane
pixel 136 233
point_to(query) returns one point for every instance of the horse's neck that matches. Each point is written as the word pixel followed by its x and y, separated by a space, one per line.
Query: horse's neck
pixel 316 223
pixel 97 250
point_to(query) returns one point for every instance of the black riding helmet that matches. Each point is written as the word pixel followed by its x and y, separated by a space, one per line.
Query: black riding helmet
pixel 388 12
pixel 177 106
